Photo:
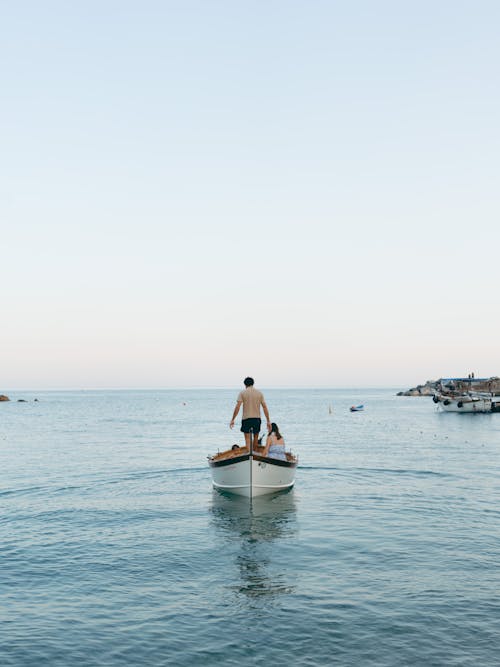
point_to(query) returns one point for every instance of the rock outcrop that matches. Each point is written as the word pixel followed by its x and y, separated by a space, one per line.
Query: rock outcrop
pixel 3 397
pixel 426 389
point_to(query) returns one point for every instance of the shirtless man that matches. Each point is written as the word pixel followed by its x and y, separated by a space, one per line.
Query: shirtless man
pixel 252 400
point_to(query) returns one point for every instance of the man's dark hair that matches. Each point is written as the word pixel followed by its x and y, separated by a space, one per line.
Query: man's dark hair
pixel 248 382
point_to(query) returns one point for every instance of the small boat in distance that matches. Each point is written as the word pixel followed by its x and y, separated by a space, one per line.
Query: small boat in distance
pixel 251 474
pixel 356 408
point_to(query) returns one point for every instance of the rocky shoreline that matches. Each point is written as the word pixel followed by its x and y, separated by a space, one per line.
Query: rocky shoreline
pixel 4 398
pixel 429 388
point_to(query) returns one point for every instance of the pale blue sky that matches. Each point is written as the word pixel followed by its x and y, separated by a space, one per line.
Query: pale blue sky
pixel 191 192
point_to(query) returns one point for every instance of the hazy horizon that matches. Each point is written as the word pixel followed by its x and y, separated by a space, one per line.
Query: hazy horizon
pixel 192 192
pixel 236 387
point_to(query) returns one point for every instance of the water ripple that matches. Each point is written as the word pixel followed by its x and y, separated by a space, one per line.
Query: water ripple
pixel 115 550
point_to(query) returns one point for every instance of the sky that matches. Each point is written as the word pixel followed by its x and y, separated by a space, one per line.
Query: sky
pixel 301 191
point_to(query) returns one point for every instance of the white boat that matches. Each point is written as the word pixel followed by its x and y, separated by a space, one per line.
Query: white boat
pixel 251 474
pixel 470 403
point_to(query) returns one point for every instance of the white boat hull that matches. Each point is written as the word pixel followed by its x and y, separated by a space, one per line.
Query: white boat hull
pixel 480 405
pixel 253 476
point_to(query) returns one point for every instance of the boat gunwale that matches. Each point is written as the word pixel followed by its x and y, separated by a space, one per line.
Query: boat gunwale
pixel 257 457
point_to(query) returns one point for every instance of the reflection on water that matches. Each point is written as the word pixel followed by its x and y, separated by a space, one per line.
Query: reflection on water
pixel 260 526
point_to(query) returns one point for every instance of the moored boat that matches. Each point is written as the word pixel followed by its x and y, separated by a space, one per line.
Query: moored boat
pixel 469 403
pixel 357 408
pixel 252 474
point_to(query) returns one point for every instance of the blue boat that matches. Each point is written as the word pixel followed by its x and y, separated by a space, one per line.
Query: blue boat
pixel 357 408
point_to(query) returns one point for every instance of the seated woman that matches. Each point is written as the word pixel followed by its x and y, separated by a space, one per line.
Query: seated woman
pixel 275 444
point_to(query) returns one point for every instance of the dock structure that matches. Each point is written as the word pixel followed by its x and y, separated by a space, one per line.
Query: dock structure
pixel 490 385
pixel 471 383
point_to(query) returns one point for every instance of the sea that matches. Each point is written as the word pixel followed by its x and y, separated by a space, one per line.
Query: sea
pixel 115 550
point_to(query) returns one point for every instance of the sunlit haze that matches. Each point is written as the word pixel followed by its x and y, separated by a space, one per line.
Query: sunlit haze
pixel 192 192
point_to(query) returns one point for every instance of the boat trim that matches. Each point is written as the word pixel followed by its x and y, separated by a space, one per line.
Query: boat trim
pixel 256 457
pixel 228 462
pixel 275 462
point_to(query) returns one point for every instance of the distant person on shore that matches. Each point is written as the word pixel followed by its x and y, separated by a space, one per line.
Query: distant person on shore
pixel 252 400
pixel 275 444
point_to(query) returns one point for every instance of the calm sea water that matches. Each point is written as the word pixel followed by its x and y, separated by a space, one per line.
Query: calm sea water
pixel 115 550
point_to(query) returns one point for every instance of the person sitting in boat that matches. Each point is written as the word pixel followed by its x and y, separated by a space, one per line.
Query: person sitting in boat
pixel 275 444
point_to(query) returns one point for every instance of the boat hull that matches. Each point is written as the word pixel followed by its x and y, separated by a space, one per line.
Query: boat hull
pixel 253 476
pixel 481 405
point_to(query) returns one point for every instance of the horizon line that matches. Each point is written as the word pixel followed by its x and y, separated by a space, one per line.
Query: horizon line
pixel 198 387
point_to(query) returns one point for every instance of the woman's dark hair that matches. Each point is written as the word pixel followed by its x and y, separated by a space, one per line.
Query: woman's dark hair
pixel 275 429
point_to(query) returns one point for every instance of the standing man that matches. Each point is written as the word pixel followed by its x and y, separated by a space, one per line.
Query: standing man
pixel 252 400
